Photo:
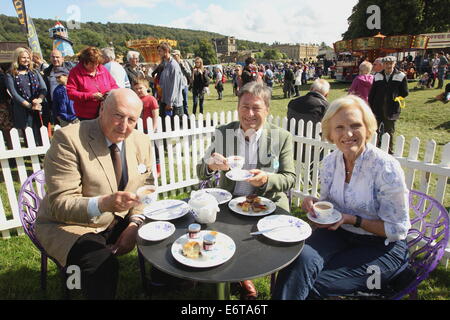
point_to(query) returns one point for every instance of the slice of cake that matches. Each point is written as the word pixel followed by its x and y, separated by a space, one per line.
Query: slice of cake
pixel 191 249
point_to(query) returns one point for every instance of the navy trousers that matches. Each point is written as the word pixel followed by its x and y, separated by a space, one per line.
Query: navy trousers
pixel 334 263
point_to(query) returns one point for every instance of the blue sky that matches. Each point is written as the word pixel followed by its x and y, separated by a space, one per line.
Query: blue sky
pixel 285 21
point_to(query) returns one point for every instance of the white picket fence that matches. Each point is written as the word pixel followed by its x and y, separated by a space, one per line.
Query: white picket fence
pixel 181 148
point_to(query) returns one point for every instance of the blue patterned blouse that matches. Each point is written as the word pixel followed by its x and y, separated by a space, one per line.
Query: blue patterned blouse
pixel 376 191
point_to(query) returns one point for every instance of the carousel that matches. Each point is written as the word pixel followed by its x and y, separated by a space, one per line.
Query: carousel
pixel 351 53
pixel 147 48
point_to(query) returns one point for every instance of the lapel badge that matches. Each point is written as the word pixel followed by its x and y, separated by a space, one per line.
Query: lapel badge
pixel 142 168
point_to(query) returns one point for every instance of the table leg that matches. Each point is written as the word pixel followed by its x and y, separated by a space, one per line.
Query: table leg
pixel 142 269
pixel 223 291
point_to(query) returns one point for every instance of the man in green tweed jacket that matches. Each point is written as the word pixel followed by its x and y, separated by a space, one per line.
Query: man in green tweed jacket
pixel 267 150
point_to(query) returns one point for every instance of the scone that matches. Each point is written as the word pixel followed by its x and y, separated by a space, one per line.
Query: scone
pixel 191 249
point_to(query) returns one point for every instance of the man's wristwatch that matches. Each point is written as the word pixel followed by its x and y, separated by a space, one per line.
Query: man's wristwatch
pixel 137 220
pixel 358 222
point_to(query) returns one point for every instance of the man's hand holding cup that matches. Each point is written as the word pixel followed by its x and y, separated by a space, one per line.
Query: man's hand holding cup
pixel 217 162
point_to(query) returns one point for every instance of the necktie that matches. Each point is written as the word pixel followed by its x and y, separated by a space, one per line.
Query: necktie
pixel 117 163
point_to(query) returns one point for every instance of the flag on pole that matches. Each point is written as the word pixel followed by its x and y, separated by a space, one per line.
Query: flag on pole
pixel 19 5
pixel 26 21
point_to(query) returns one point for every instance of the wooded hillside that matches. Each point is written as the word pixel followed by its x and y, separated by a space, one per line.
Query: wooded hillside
pixel 101 35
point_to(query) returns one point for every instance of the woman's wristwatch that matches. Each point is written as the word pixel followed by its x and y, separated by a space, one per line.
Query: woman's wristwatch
pixel 358 222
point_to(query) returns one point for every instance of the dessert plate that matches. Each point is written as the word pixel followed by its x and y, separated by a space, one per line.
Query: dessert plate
pixel 222 251
pixel 292 228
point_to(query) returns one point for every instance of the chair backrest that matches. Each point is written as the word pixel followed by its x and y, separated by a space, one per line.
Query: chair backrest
pixel 428 236
pixel 30 196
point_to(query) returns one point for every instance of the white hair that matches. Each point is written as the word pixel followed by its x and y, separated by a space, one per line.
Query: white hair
pixel 109 53
pixel 320 85
pixel 132 54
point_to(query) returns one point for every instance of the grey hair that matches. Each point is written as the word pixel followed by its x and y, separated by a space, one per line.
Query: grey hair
pixel 109 54
pixel 320 85
pixel 131 54
pixel 256 89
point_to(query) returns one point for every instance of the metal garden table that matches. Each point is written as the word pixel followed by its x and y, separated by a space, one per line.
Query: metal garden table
pixel 255 256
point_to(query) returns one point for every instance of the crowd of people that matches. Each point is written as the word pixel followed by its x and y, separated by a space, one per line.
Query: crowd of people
pixel 88 218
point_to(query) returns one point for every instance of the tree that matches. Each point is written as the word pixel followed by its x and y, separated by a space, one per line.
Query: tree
pixel 399 17
pixel 205 50
pixel 273 54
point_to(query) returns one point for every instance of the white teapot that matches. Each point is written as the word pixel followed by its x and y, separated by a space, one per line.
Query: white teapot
pixel 205 207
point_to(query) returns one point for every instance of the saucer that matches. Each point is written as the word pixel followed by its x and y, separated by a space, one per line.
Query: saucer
pixel 331 219
pixel 238 175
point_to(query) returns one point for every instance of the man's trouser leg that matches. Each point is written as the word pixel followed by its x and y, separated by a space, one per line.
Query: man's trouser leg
pixel 99 266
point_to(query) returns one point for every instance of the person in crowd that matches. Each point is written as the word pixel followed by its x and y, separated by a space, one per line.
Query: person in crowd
pixel 91 214
pixel 367 186
pixel 362 83
pixel 288 80
pixel 57 64
pixel 442 68
pixel 200 82
pixel 218 84
pixel 6 123
pixel 252 137
pixel 28 91
pixel 377 65
pixel 268 76
pixel 171 83
pixel 298 79
pixel 444 96
pixel 134 71
pixel 250 71
pixel 423 81
pixel 150 105
pixel 237 79
pixel 312 106
pixel 88 83
pixel 62 105
pixel 387 86
pixel 39 63
pixel 115 69
pixel 186 69
pixel 434 70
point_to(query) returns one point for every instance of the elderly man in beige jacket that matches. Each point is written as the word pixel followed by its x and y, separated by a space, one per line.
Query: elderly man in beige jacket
pixel 91 213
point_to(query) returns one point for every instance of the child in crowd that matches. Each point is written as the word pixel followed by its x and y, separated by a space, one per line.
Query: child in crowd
pixel 62 105
pixel 423 81
pixel 150 109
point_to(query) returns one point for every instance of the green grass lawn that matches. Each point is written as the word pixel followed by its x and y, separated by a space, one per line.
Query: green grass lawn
pixel 20 260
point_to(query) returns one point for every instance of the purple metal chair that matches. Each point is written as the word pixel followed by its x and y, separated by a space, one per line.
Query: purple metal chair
pixel 427 239
pixel 30 196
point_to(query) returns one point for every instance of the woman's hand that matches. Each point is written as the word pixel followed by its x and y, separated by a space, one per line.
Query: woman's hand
pixel 307 205
pixel 98 96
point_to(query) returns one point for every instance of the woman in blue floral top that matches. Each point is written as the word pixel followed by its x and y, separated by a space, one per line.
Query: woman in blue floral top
pixel 367 247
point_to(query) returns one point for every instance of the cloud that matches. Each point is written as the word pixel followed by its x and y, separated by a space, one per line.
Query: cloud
pixel 129 3
pixel 287 21
pixel 122 15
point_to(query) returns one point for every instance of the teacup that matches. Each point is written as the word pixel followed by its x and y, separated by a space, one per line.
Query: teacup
pixel 147 194
pixel 323 209
pixel 236 162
